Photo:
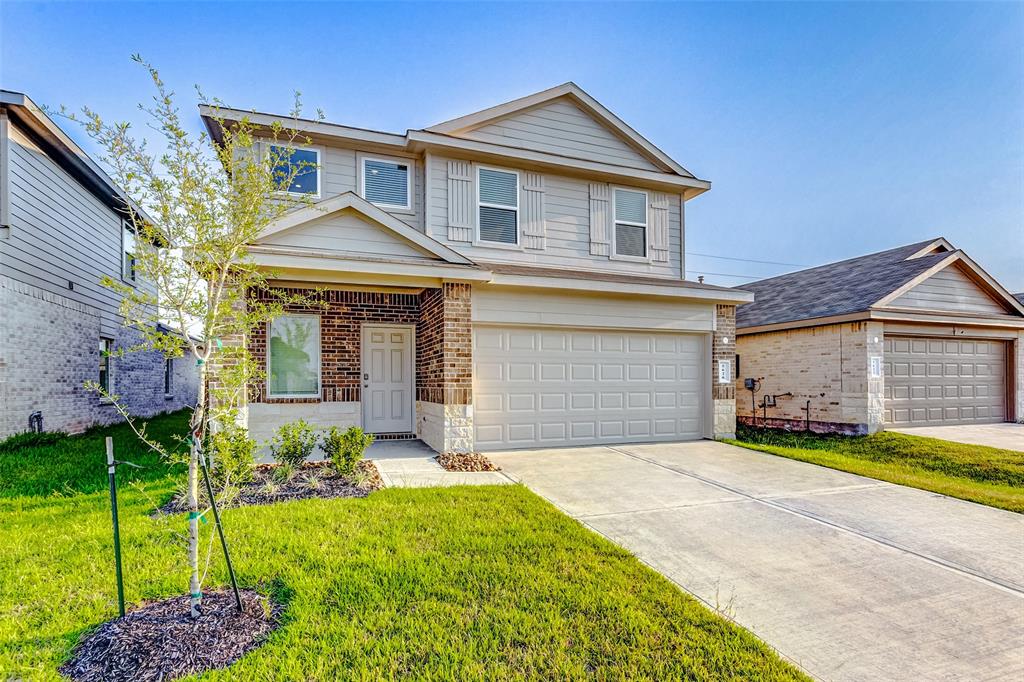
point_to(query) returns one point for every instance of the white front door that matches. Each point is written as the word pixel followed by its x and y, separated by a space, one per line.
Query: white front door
pixel 387 379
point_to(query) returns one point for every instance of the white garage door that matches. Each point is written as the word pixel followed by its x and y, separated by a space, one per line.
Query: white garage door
pixel 552 387
pixel 944 381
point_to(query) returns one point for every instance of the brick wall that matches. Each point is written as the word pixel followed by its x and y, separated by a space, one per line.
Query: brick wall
pixel 827 365
pixel 723 348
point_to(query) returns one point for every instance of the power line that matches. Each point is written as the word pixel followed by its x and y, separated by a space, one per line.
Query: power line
pixel 724 274
pixel 744 260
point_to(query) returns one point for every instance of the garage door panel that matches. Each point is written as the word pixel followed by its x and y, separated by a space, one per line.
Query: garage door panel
pixel 932 381
pixel 573 387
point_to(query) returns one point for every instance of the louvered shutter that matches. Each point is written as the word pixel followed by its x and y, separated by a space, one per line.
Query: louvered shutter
pixel 658 221
pixel 460 201
pixel 600 219
pixel 534 231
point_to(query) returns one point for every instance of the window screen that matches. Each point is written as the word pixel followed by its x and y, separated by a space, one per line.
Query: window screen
pixel 499 206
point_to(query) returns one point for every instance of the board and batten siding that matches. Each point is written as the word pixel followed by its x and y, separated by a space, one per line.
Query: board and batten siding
pixel 347 232
pixel 60 233
pixel 494 304
pixel 949 289
pixel 567 228
pixel 561 127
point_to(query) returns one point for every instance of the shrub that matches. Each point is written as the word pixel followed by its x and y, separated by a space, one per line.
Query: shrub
pixel 31 439
pixel 283 473
pixel 234 456
pixel 293 443
pixel 346 448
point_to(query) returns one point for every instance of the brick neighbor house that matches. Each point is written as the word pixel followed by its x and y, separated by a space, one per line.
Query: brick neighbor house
pixel 913 336
pixel 61 230
pixel 512 278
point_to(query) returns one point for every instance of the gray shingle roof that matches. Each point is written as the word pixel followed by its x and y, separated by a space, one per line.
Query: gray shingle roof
pixel 842 288
pixel 1019 297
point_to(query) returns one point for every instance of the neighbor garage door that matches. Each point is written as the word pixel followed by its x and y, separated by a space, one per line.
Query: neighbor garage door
pixel 944 381
pixel 552 387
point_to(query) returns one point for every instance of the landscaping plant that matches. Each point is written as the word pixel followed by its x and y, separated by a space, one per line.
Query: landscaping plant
pixel 293 443
pixel 194 205
pixel 346 448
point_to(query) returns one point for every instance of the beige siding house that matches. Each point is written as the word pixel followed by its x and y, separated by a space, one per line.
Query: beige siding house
pixel 919 335
pixel 512 278
pixel 60 232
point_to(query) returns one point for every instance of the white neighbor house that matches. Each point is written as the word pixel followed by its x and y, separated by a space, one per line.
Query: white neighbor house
pixel 513 278
pixel 60 232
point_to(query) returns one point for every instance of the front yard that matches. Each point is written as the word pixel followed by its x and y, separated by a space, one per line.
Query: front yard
pixel 977 473
pixel 455 583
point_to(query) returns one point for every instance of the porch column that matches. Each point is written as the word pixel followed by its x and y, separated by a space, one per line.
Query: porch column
pixel 444 357
pixel 723 395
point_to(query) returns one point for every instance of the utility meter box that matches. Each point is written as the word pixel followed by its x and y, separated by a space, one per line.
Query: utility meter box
pixel 749 383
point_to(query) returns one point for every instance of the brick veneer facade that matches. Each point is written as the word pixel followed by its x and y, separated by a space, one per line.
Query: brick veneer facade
pixel 444 346
pixel 723 347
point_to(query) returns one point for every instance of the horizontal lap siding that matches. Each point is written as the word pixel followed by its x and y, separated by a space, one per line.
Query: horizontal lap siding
pixel 567 219
pixel 341 175
pixel 60 232
pixel 347 232
pixel 949 289
pixel 560 127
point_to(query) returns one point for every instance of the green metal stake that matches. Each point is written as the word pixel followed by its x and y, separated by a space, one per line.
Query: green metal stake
pixel 111 469
pixel 220 529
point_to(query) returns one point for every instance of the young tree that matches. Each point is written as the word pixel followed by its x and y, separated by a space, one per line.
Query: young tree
pixel 195 205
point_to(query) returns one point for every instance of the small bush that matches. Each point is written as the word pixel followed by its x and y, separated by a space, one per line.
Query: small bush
pixel 283 473
pixel 234 456
pixel 31 439
pixel 293 443
pixel 346 448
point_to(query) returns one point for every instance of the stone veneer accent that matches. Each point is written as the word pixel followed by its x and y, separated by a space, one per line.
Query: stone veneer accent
pixel 444 382
pixel 49 347
pixel 723 395
pixel 828 365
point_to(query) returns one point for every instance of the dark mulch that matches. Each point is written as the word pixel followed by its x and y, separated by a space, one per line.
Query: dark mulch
pixel 312 479
pixel 161 641
pixel 466 461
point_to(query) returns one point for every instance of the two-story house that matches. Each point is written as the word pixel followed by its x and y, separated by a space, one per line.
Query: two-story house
pixel 61 231
pixel 513 278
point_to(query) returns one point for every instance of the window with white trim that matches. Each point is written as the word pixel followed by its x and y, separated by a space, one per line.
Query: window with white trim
pixel 106 348
pixel 299 167
pixel 630 223
pixel 128 246
pixel 498 206
pixel 293 356
pixel 387 183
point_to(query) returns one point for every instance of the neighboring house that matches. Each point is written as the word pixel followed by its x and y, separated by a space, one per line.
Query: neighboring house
pixel 917 335
pixel 60 232
pixel 513 278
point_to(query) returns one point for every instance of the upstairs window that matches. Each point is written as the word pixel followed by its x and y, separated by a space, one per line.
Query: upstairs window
pixel 630 223
pixel 293 357
pixel 302 166
pixel 386 183
pixel 128 247
pixel 499 206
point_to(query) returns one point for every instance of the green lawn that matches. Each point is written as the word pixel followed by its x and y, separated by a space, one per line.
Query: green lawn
pixel 453 584
pixel 980 474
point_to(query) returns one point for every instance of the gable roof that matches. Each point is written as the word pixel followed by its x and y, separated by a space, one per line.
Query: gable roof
pixel 351 200
pixel 855 285
pixel 576 94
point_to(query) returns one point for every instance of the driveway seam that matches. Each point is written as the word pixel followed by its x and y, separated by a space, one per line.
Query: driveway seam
pixel 943 563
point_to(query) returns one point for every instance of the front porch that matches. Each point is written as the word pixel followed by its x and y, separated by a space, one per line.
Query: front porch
pixel 396 362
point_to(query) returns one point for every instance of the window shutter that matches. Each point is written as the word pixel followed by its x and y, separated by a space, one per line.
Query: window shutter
pixel 600 219
pixel 460 201
pixel 658 222
pixel 534 232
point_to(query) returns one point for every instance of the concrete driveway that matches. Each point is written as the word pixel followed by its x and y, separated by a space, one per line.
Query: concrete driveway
pixel 1006 436
pixel 851 578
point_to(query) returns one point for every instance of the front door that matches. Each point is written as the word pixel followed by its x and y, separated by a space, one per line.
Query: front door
pixel 387 379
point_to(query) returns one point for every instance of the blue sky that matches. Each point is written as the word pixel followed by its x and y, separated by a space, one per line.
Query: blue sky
pixel 828 130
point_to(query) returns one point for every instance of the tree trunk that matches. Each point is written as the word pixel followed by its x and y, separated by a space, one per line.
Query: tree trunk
pixel 198 426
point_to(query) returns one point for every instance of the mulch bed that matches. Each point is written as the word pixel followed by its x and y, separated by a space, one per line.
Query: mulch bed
pixel 466 461
pixel 312 479
pixel 160 640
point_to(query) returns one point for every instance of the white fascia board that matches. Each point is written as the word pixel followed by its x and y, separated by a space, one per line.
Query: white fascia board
pixel 289 259
pixel 732 297
pixel 425 139
pixel 211 114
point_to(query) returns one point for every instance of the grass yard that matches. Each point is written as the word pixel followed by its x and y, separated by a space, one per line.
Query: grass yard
pixel 980 474
pixel 453 584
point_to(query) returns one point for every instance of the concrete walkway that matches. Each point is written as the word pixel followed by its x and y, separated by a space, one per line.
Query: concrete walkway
pixel 1006 436
pixel 849 577
pixel 411 464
